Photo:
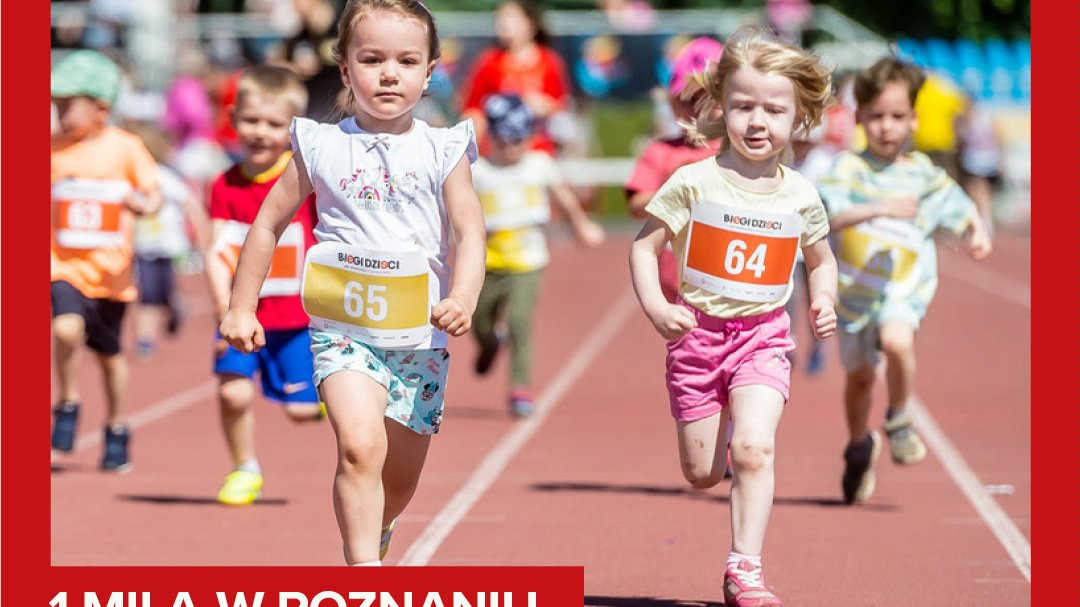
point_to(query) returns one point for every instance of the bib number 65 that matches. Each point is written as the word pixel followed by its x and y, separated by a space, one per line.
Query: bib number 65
pixel 375 308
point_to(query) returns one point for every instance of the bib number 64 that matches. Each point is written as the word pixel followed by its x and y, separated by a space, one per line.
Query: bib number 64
pixel 375 308
pixel 735 260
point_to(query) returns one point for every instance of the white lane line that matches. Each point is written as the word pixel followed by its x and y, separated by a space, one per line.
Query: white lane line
pixel 990 281
pixel 488 471
pixel 991 513
pixel 162 408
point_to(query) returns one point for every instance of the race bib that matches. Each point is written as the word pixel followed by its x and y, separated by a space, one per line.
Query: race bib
pixel 517 207
pixel 880 252
pixel 382 299
pixel 88 213
pixel 741 254
pixel 286 265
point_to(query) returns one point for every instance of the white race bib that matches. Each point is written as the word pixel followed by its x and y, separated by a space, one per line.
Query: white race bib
pixel 285 267
pixel 515 207
pixel 382 299
pixel 739 253
pixel 880 253
pixel 87 213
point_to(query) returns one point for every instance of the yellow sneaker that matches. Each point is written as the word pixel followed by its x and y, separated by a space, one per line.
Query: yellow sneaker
pixel 241 487
pixel 384 541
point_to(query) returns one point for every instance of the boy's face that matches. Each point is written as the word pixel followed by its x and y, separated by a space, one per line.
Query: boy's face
pixel 262 127
pixel 888 120
pixel 79 117
pixel 508 152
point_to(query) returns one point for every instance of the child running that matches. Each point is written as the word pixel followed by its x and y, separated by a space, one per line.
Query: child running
pixel 102 177
pixel 886 204
pixel 735 222
pixel 267 99
pixel 390 192
pixel 514 185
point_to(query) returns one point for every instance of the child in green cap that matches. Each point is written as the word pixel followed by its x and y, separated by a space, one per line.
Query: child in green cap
pixel 102 177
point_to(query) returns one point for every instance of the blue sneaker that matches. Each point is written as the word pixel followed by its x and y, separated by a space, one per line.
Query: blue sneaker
pixel 65 421
pixel 816 363
pixel 521 404
pixel 115 458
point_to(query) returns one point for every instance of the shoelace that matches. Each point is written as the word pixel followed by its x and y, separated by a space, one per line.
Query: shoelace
pixel 751 578
pixel 383 139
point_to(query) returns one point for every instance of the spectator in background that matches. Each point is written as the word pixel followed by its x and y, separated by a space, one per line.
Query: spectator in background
pixel 938 106
pixel 189 120
pixel 522 64
pixel 980 159
pixel 787 18
pixel 628 15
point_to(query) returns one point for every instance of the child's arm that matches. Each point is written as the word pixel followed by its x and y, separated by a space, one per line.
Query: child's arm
pixel 670 320
pixel 454 314
pixel 901 207
pixel 586 231
pixel 978 239
pixel 636 203
pixel 821 279
pixel 196 215
pixel 240 327
pixel 144 202
pixel 218 274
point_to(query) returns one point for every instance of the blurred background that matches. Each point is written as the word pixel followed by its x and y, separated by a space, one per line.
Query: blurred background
pixel 181 59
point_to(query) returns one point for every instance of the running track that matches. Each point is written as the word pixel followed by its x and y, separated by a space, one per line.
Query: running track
pixel 593 478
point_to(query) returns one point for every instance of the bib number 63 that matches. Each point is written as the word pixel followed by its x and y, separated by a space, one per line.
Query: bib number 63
pixel 375 308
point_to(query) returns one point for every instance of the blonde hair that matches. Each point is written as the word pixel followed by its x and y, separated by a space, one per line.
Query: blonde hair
pixel 755 47
pixel 273 82
pixel 355 10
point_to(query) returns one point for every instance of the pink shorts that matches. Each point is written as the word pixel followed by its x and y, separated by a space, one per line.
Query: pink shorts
pixel 724 353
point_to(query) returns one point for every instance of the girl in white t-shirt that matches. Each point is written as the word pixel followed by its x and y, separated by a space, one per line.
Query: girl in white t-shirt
pixel 735 222
pixel 389 190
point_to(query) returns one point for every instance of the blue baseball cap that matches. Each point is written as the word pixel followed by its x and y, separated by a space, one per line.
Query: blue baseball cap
pixel 508 117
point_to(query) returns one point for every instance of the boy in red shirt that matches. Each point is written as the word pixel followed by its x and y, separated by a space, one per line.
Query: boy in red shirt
pixel 267 99
pixel 102 177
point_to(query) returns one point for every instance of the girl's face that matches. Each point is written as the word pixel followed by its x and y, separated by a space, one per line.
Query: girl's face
pixel 387 69
pixel 760 112
pixel 888 120
pixel 512 26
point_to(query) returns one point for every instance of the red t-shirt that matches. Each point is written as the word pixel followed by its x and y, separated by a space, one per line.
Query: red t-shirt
pixel 234 196
pixel 496 72
pixel 660 159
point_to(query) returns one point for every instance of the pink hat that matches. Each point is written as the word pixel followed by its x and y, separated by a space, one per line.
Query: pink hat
pixel 693 59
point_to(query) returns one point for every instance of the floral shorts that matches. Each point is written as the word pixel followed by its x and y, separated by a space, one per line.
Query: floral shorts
pixel 415 380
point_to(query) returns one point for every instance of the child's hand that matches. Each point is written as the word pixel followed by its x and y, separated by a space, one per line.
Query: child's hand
pixel 590 234
pixel 901 208
pixel 672 321
pixel 822 318
pixel 243 331
pixel 451 315
pixel 979 246
pixel 136 202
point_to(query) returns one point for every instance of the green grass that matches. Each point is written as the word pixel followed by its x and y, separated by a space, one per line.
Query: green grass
pixel 619 125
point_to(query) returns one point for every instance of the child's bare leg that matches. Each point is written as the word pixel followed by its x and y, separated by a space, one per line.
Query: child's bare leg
pixel 405 455
pixel 115 370
pixel 703 449
pixel 858 387
pixel 148 321
pixel 69 330
pixel 236 395
pixel 756 412
pixel 898 345
pixel 356 405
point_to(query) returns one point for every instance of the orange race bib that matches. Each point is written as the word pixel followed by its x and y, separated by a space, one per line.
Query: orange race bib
pixel 88 213
pixel 285 266
pixel 380 298
pixel 881 253
pixel 739 253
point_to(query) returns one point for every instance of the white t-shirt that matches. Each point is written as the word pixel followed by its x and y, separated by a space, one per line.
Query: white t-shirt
pixel 385 192
pixel 163 234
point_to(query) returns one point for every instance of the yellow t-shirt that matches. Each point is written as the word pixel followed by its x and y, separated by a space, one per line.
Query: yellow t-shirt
pixel 936 107
pixel 91 242
pixel 704 181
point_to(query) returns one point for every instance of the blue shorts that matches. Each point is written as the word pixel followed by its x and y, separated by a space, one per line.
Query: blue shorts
pixel 285 365
pixel 415 380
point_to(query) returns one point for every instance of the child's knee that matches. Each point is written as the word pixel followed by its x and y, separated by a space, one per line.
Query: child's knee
pixel 69 329
pixel 306 412
pixel 363 451
pixel 752 453
pixel 700 476
pixel 862 379
pixel 897 340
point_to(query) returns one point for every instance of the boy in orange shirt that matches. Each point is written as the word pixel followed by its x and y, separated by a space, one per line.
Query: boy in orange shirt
pixel 102 177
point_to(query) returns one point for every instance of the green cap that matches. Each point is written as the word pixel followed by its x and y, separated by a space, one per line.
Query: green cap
pixel 86 73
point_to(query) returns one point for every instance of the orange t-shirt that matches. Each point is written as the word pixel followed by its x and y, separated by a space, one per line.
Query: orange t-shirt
pixel 91 228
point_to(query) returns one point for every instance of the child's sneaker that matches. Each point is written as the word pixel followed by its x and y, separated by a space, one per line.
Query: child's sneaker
pixel 115 458
pixel 241 487
pixel 858 480
pixel 65 420
pixel 384 541
pixel 745 587
pixel 521 404
pixel 904 443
